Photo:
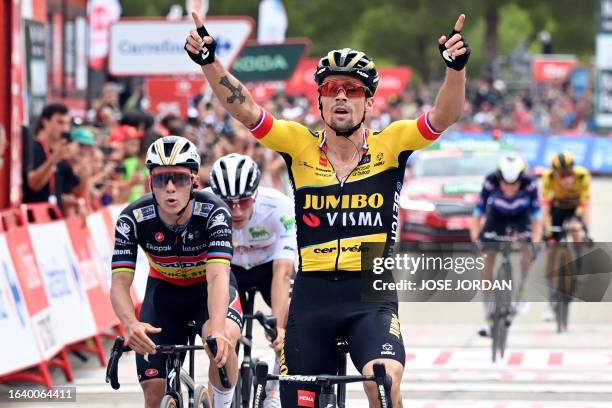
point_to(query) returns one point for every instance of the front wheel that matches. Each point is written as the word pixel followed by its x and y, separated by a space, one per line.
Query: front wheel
pixel 200 396
pixel 168 402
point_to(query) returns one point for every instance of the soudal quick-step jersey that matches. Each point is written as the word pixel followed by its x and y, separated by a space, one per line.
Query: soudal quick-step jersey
pixel 178 257
pixel 334 219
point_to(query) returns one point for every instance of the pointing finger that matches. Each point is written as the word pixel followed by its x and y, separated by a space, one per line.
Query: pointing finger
pixel 459 23
pixel 197 19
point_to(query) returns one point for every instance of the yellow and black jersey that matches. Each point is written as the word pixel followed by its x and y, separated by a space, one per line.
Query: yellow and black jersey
pixel 567 198
pixel 333 218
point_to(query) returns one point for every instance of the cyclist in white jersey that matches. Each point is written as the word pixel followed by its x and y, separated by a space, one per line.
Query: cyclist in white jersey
pixel 264 237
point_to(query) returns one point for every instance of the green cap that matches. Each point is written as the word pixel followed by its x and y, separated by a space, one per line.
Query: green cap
pixel 83 136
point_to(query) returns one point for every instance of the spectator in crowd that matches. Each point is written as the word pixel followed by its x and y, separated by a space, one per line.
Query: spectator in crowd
pixel 135 171
pixel 49 174
pixel 76 195
pixel 172 124
pixel 110 96
pixel 105 121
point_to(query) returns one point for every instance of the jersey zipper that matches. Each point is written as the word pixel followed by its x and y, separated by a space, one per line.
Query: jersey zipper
pixel 340 193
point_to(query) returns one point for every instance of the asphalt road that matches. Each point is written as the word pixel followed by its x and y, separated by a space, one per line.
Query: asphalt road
pixel 448 364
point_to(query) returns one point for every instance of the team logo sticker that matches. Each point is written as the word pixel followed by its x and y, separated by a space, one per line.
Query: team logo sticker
pixel 151 372
pixel 288 222
pixel 203 209
pixel 311 220
pixel 144 213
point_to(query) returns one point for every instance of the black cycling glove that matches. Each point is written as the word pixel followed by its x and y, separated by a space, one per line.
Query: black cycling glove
pixel 459 62
pixel 206 55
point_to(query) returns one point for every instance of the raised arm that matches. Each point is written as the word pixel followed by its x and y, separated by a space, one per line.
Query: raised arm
pixel 236 99
pixel 449 103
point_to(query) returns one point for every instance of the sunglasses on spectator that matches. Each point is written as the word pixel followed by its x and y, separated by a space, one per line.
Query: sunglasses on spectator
pixel 243 203
pixel 351 89
pixel 179 179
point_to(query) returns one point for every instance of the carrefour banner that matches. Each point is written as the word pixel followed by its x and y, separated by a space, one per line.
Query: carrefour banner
pixel 590 151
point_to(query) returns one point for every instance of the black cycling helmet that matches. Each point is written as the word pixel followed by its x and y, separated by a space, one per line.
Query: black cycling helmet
pixel 348 62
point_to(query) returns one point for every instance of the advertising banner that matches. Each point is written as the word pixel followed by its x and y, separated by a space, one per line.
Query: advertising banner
pixel 15 322
pixel 65 286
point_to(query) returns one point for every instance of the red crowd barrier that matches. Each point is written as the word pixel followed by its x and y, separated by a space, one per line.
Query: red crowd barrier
pixel 54 290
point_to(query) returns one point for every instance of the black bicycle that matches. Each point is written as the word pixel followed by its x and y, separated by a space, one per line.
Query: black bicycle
pixel 327 397
pixel 565 265
pixel 242 393
pixel 502 311
pixel 197 394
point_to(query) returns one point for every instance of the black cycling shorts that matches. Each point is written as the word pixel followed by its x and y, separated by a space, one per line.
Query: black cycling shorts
pixel 558 216
pixel 171 308
pixel 323 310
pixel 499 224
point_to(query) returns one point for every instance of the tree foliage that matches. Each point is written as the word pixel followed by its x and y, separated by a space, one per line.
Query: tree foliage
pixel 406 31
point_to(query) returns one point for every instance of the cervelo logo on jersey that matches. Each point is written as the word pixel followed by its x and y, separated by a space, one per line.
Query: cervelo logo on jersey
pixel 343 248
pixel 202 209
pixel 306 398
pixel 144 213
pixel 124 226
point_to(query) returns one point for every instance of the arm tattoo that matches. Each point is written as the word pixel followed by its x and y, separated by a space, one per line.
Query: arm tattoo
pixel 236 91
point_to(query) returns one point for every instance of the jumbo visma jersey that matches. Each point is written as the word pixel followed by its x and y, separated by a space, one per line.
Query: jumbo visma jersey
pixel 334 219
pixel 179 257
pixel 567 197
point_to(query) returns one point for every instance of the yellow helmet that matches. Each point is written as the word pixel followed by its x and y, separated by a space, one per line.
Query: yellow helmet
pixel 563 161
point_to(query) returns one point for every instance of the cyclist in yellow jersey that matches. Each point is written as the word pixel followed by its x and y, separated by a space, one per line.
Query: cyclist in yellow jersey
pixel 567 192
pixel 346 181
pixel 566 202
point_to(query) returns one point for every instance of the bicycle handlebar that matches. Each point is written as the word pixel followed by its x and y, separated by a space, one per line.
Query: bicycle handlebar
pixel 119 348
pixel 212 345
pixel 383 381
pixel 268 323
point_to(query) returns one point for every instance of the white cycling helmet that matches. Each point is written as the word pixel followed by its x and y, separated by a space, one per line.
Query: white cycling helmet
pixel 510 168
pixel 173 151
pixel 234 176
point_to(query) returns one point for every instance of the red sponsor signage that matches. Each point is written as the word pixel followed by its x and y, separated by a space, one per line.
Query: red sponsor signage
pixel 99 300
pixel 171 95
pixel 28 273
pixel 306 398
pixel 553 69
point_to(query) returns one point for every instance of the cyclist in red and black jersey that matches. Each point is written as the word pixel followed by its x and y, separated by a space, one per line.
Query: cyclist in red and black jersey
pixel 187 238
